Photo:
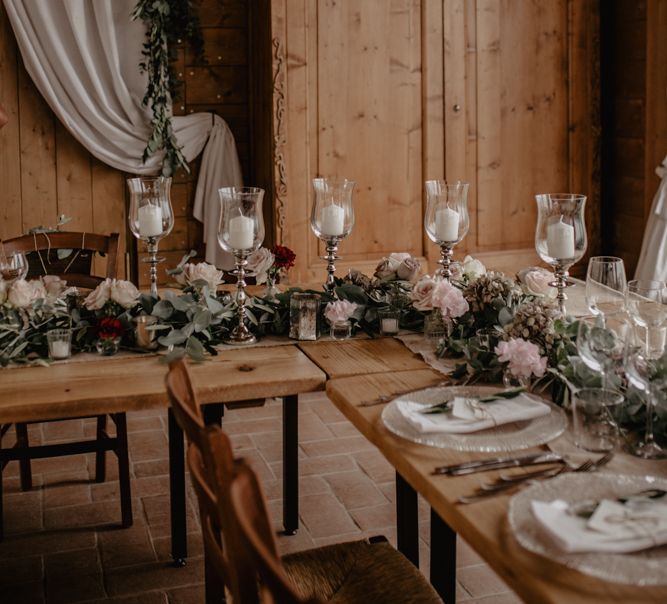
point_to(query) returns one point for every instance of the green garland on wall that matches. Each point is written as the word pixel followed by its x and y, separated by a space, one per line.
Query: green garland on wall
pixel 167 22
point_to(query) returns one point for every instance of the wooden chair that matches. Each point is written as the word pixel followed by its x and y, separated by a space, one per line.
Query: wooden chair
pixel 41 250
pixel 239 544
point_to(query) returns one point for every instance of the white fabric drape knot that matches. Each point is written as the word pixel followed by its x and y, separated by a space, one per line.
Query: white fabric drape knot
pixel 83 56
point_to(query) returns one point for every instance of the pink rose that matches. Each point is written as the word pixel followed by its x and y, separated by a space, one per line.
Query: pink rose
pixel 523 357
pixel 422 293
pixel 449 300
pixel 340 310
pixel 535 281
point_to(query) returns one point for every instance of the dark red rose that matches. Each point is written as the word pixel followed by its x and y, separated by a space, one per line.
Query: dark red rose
pixel 284 257
pixel 109 328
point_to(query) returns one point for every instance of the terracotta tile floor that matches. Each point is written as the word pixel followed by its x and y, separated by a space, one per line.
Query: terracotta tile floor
pixel 64 544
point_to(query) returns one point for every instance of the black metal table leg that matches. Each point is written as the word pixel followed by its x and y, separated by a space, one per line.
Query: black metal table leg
pixel 407 520
pixel 179 547
pixel 443 558
pixel 213 413
pixel 290 464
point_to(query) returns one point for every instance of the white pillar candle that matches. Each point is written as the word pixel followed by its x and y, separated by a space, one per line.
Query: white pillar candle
pixel 150 220
pixel 332 220
pixel 241 233
pixel 446 224
pixel 560 240
pixel 59 350
pixel 389 325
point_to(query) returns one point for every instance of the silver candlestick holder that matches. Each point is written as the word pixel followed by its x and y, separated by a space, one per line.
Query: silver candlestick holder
pixel 445 262
pixel 561 282
pixel 241 334
pixel 331 257
pixel 153 259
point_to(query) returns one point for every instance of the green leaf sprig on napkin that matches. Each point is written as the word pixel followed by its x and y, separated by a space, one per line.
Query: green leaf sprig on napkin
pixel 445 406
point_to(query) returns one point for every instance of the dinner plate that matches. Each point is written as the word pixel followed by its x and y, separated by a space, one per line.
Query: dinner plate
pixel 508 437
pixel 647 567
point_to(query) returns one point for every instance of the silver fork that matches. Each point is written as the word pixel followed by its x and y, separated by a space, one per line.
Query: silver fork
pixel 507 486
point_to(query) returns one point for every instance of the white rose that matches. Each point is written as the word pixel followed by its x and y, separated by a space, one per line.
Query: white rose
pixel 203 272
pixel 473 268
pixel 4 286
pixel 395 260
pixel 408 270
pixel 535 281
pixel 54 285
pixel 23 293
pixel 123 293
pixel 99 296
pixel 259 263
pixel 422 293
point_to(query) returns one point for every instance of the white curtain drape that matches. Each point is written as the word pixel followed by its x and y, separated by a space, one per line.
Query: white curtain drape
pixel 83 56
pixel 653 258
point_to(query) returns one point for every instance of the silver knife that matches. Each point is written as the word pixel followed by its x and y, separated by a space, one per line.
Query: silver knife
pixel 499 463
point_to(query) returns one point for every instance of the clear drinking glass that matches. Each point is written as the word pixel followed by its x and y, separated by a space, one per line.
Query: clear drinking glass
pixel 332 214
pixel 151 214
pixel 594 418
pixel 646 304
pixel 241 227
pixel 13 266
pixel 446 219
pixel 601 344
pixel 605 285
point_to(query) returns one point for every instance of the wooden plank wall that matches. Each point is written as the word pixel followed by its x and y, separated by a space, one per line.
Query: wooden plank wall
pixel 45 172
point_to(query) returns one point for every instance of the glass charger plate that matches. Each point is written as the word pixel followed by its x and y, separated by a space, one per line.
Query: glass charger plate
pixel 648 567
pixel 508 437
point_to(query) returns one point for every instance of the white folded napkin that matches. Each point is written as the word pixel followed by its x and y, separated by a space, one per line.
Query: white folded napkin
pixel 469 415
pixel 613 527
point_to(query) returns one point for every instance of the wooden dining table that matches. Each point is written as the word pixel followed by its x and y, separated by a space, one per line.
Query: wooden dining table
pixel 88 385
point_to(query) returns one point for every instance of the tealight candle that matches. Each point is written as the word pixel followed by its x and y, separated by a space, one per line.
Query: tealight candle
pixel 560 240
pixel 59 350
pixel 389 326
pixel 332 220
pixel 150 220
pixel 447 224
pixel 241 233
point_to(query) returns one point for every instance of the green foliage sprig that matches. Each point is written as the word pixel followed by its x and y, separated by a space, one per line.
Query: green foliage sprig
pixel 166 21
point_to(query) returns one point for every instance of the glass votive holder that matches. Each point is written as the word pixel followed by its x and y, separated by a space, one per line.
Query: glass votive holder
pixel 594 412
pixel 389 321
pixel 304 309
pixel 144 337
pixel 341 330
pixel 434 326
pixel 60 343
pixel 487 338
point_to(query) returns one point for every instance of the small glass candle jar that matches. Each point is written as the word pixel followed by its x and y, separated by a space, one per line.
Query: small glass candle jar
pixel 60 343
pixel 341 330
pixel 304 309
pixel 389 320
pixel 144 337
pixel 434 326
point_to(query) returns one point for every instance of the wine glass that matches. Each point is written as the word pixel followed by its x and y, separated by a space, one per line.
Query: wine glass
pixel 14 266
pixel 601 344
pixel 646 304
pixel 446 219
pixel 332 218
pixel 560 235
pixel 605 285
pixel 646 369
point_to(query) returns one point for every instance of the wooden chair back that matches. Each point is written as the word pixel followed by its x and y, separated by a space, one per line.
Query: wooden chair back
pixel 41 250
pixel 184 403
pixel 254 536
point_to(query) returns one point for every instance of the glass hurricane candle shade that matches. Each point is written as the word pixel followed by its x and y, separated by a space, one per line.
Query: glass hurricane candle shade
pixel 332 217
pixel 151 216
pixel 446 219
pixel 241 232
pixel 560 235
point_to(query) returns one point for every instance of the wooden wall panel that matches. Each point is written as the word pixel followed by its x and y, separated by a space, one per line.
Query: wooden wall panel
pixel 393 93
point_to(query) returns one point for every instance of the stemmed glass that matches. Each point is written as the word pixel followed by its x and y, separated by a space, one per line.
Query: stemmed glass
pixel 605 285
pixel 241 232
pixel 332 218
pixel 13 266
pixel 446 219
pixel 151 216
pixel 645 358
pixel 600 345
pixel 560 235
